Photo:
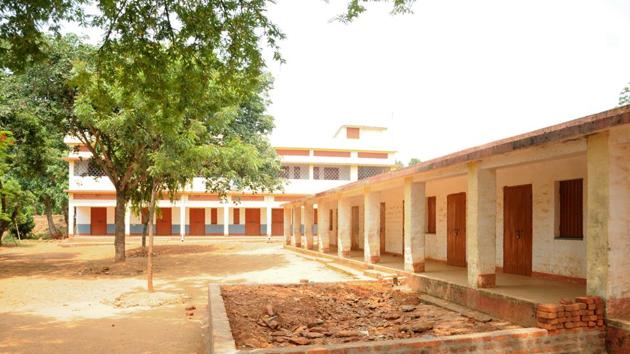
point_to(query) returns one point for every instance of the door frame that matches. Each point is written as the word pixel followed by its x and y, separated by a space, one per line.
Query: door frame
pixel 163 219
pixel 248 224
pixel 203 221
pixel 355 216
pixel 92 212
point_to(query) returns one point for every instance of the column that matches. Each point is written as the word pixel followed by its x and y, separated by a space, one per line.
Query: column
pixel 371 223
pixel 182 218
pixel 608 217
pixel 287 225
pixel 481 239
pixel 128 220
pixel 70 217
pixel 269 221
pixel 415 217
pixel 226 218
pixel 323 226
pixel 297 224
pixel 344 228
pixel 354 173
pixel 308 225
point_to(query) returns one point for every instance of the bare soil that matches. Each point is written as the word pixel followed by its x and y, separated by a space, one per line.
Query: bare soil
pixel 70 297
pixel 263 316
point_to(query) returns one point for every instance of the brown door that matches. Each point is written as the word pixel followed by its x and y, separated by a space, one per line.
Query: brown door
pixel 163 224
pixel 381 228
pixel 197 221
pixel 456 229
pixel 517 229
pixel 98 221
pixel 252 222
pixel 355 229
pixel 277 222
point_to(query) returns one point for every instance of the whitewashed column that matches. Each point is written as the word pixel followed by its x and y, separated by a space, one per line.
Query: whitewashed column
pixel 297 223
pixel 226 218
pixel 415 210
pixel 287 225
pixel 344 232
pixel 481 239
pixel 371 221
pixel 608 219
pixel 70 216
pixel 128 220
pixel 308 225
pixel 182 218
pixel 268 221
pixel 323 226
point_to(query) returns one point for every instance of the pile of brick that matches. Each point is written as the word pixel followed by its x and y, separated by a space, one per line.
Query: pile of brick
pixel 585 311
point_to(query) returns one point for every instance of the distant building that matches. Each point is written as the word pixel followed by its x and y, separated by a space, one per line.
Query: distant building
pixel 354 152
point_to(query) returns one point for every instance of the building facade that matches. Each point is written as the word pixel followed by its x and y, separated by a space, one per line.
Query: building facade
pixel 354 152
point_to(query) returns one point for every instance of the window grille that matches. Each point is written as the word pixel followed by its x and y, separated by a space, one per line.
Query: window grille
pixel 331 173
pixel 295 172
pixel 369 171
pixel 88 168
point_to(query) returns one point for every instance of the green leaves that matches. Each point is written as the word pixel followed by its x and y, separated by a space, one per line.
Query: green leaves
pixel 624 96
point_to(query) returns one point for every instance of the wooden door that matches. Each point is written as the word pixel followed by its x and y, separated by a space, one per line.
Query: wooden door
pixel 355 229
pixel 381 228
pixel 197 217
pixel 517 229
pixel 98 221
pixel 456 229
pixel 277 222
pixel 252 222
pixel 164 222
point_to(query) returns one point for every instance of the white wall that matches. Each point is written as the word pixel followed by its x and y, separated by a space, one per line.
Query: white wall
pixel 83 215
pixel 440 189
pixel 550 255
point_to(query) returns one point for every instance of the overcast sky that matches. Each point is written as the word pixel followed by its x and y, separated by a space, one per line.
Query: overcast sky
pixel 454 74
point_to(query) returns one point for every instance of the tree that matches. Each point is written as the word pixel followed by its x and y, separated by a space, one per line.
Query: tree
pixel 35 104
pixel 414 161
pixel 624 96
pixel 15 203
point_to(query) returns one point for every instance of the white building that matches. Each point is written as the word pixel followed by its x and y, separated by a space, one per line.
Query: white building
pixel 354 152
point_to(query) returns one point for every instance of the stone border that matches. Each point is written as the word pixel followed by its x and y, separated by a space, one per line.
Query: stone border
pixel 520 340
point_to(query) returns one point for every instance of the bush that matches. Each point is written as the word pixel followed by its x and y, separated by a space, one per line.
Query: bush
pixel 25 227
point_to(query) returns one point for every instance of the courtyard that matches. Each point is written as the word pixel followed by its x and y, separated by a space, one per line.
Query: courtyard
pixel 70 297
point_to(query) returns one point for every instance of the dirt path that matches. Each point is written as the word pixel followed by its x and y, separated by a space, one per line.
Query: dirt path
pixel 56 298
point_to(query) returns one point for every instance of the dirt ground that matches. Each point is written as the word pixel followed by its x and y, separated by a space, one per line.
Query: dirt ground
pixel 69 296
pixel 265 315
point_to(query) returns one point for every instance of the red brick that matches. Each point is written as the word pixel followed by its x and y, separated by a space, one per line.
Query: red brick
pixel 591 306
pixel 541 314
pixel 592 323
pixel 582 305
pixel 549 307
pixel 569 324
pixel 585 299
pixel 572 307
pixel 589 318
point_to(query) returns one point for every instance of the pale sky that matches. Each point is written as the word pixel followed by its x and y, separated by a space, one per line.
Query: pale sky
pixel 454 74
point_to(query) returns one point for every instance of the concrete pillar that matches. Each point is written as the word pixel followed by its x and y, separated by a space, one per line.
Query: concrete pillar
pixel 297 224
pixel 226 218
pixel 128 220
pixel 608 219
pixel 308 225
pixel 481 238
pixel 287 225
pixel 415 216
pixel 354 172
pixel 344 228
pixel 371 223
pixel 182 218
pixel 70 217
pixel 323 226
pixel 268 221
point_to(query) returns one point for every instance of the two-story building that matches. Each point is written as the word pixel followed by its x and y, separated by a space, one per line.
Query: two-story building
pixel 353 153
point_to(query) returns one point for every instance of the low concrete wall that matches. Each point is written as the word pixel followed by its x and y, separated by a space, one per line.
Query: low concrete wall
pixel 522 340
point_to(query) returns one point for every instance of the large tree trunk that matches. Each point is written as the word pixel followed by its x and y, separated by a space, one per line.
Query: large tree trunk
pixel 48 209
pixel 150 250
pixel 119 220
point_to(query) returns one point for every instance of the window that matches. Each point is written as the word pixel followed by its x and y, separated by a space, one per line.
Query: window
pixel 431 215
pixel 369 171
pixel 331 173
pixel 285 172
pixel 85 168
pixel 352 133
pixel 570 209
pixel 315 172
pixel 296 172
